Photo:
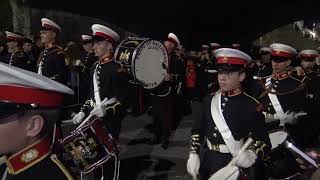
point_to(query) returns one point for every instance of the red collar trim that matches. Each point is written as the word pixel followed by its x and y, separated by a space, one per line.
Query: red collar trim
pixel 106 59
pixel 231 93
pixel 29 156
pixel 280 76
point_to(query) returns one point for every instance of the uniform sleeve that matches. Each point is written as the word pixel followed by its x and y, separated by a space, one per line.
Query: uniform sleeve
pixel 261 144
pixel 119 85
pixel 254 87
pixel 88 105
pixel 197 131
pixel 60 65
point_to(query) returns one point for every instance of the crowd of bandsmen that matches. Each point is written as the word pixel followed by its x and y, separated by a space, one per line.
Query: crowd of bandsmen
pixel 277 90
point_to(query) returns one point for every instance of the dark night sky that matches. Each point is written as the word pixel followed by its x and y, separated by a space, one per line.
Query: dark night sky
pixel 195 22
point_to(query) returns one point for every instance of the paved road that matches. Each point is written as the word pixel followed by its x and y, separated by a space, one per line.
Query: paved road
pixel 140 161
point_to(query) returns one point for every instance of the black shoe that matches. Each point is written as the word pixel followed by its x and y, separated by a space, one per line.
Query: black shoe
pixel 165 144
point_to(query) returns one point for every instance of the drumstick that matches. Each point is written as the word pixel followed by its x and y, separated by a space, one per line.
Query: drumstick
pixel 194 177
pixel 243 148
pixel 302 154
pixel 90 116
pixel 85 121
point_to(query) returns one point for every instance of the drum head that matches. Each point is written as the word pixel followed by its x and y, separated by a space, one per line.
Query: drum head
pixel 149 64
pixel 277 138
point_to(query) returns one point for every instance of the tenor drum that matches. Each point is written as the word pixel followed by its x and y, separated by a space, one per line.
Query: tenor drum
pixel 90 146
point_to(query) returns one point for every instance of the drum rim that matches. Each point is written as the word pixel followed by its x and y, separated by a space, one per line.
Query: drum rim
pixel 134 59
pixel 239 171
pixel 77 131
pixel 276 130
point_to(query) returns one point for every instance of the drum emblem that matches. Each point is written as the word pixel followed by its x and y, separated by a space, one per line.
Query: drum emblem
pixel 124 56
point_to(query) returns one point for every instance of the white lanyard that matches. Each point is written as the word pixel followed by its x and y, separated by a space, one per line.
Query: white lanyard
pixel 95 87
pixel 220 122
pixel 275 101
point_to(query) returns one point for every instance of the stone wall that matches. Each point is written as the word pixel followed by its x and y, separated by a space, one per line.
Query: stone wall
pixel 287 35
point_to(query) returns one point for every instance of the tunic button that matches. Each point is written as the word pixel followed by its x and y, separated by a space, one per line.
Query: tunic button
pixel 215 128
pixel 214 134
pixel 275 86
pixel 226 99
pixel 223 104
pixel 277 81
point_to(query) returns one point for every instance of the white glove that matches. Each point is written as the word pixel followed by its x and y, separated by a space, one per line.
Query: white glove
pixel 193 164
pixel 78 117
pixel 99 111
pixel 77 63
pixel 291 117
pixel 246 159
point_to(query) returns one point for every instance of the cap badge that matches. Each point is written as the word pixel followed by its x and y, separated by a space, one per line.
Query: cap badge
pixel 225 59
pixel 29 155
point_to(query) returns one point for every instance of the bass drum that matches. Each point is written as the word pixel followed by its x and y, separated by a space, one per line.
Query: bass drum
pixel 145 60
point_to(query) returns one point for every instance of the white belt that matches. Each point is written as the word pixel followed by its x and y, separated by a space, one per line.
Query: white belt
pixel 222 147
pixel 212 71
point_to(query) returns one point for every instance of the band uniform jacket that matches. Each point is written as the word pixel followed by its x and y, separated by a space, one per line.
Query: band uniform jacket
pixel 36 162
pixel 291 92
pixel 21 60
pixel 112 82
pixel 243 115
pixel 53 65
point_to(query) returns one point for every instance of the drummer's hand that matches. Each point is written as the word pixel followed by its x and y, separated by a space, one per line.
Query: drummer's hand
pixel 78 117
pixel 99 111
pixel 291 117
pixel 193 164
pixel 77 63
pixel 246 159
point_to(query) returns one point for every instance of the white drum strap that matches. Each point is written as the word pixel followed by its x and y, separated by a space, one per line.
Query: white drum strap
pixel 95 87
pixel 222 126
pixel 40 67
pixel 4 176
pixel 275 101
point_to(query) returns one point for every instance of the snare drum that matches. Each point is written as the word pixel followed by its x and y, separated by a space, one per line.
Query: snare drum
pixel 229 173
pixel 281 162
pixel 90 146
pixel 145 60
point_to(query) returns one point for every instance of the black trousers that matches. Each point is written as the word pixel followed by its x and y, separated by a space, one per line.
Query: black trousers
pixel 163 115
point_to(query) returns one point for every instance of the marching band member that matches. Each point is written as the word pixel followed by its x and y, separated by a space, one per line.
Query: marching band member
pixel 226 119
pixel 51 61
pixel 29 109
pixel 17 57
